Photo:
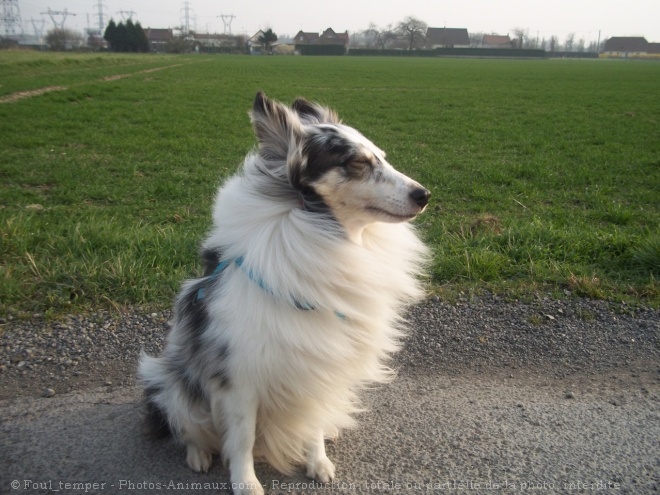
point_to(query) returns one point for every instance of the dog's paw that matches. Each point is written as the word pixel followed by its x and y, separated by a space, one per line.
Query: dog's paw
pixel 198 460
pixel 322 470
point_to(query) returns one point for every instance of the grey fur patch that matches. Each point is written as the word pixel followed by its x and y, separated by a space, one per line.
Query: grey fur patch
pixel 155 420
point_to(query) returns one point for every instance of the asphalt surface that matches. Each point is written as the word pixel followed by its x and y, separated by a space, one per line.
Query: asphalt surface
pixel 423 434
pixel 584 421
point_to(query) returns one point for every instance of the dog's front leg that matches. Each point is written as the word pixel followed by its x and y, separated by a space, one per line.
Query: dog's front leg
pixel 319 467
pixel 235 414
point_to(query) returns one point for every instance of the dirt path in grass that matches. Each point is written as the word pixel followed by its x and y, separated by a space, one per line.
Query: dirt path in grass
pixel 20 95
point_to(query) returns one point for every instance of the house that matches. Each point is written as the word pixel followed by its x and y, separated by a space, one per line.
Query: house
pixel 447 38
pixel 629 46
pixel 329 37
pixel 159 39
pixel 496 41
pixel 303 38
pixel 255 46
pixel 327 43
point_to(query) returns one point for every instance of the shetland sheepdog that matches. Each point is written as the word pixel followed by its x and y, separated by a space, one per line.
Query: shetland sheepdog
pixel 309 266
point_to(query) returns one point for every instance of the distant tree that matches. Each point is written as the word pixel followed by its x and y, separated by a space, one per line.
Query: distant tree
pixel 64 39
pixel 519 35
pixel 137 38
pixel 476 39
pixel 365 39
pixel 129 37
pixel 121 44
pixel 386 36
pixel 110 34
pixel 531 42
pixel 553 43
pixel 179 44
pixel 377 37
pixel 413 30
pixel 266 39
pixel 570 41
pixel 143 41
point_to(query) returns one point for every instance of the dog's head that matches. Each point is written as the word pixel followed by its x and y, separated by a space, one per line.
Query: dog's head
pixel 332 166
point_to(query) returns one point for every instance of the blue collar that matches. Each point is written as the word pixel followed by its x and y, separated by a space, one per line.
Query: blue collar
pixel 257 280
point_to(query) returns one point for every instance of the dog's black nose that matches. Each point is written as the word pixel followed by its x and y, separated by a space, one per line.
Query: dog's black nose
pixel 420 196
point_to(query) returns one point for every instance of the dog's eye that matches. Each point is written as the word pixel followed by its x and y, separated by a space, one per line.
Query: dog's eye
pixel 360 163
pixel 358 167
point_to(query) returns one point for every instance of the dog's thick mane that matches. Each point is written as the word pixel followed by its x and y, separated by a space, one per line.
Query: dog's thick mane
pixel 302 252
pixel 306 256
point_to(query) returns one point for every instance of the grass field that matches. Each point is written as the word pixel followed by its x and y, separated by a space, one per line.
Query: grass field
pixel 545 174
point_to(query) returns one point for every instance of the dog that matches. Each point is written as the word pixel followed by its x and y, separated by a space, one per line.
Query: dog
pixel 309 266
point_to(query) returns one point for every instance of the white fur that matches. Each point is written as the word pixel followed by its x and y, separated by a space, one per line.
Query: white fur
pixel 292 373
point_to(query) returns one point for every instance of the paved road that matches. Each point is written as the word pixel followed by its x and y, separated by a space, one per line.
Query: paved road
pixel 468 433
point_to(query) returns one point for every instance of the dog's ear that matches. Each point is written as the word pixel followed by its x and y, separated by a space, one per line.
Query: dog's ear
pixel 311 113
pixel 275 125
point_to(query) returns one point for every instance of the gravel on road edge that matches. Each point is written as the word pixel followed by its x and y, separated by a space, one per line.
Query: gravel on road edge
pixel 483 335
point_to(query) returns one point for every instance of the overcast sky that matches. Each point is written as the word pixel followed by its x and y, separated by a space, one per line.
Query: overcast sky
pixel 585 18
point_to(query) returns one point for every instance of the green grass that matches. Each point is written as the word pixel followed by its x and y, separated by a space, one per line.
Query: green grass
pixel 545 174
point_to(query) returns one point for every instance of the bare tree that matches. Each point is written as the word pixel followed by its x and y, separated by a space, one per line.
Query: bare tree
pixel 371 37
pixel 364 39
pixel 519 35
pixel 476 39
pixel 570 41
pixel 553 43
pixel 413 30
pixel 63 39
pixel 377 37
pixel 386 36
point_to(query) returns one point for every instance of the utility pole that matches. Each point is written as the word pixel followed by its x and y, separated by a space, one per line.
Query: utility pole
pixel 187 14
pixel 11 18
pixel 54 13
pixel 101 15
pixel 38 26
pixel 227 20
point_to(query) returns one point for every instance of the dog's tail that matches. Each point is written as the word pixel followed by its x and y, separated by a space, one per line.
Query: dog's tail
pixel 156 423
